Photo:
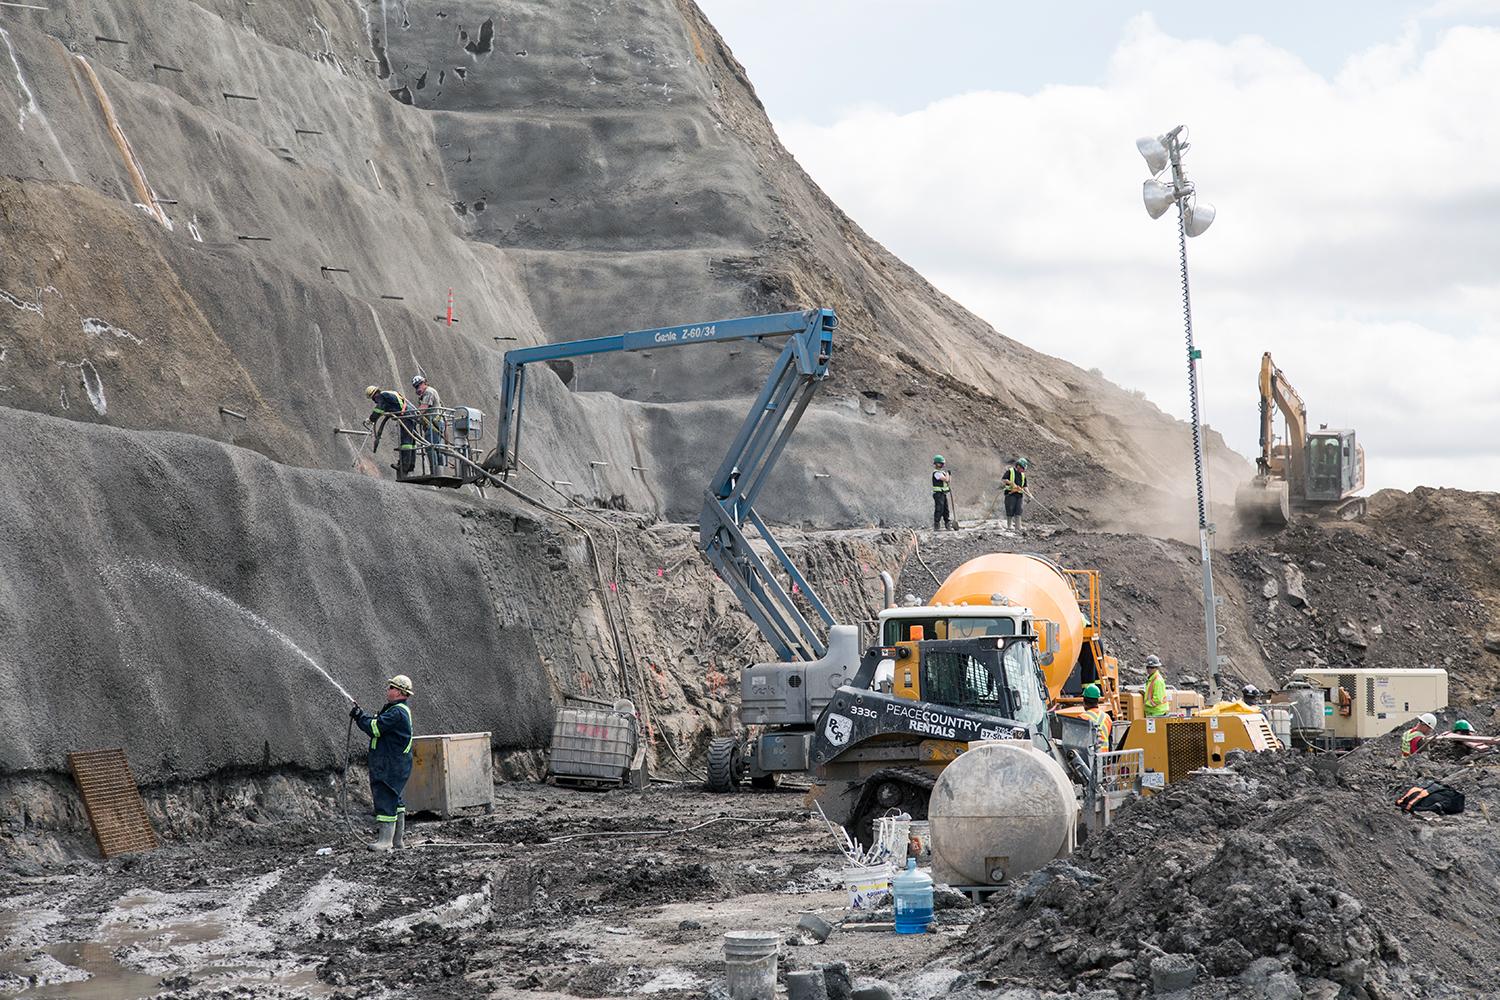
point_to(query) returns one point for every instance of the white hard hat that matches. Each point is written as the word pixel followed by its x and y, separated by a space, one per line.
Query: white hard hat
pixel 371 390
pixel 1428 719
pixel 400 682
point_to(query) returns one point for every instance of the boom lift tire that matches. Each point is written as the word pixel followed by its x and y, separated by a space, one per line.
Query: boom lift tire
pixel 899 789
pixel 724 758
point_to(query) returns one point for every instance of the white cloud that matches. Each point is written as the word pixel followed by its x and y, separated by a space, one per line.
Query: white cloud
pixel 1358 236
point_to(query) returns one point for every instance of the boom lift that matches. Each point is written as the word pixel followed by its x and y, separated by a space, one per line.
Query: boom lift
pixel 1312 469
pixel 729 500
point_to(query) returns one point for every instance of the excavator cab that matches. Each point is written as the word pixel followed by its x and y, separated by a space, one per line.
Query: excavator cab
pixel 1335 465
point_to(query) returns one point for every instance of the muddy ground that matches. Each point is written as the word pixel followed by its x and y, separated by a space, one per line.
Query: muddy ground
pixel 557 894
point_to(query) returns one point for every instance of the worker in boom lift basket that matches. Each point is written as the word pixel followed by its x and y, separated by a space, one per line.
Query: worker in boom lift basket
pixel 942 490
pixel 429 407
pixel 1411 740
pixel 391 404
pixel 1014 484
pixel 1103 724
pixel 1156 703
pixel 390 733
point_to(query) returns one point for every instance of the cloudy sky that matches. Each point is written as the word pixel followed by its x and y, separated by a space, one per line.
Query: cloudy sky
pixel 1351 147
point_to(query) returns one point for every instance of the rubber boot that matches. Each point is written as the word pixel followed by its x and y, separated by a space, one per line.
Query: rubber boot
pixel 384 841
pixel 400 840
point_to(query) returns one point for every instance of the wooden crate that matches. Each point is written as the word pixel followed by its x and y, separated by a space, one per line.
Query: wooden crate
pixel 450 771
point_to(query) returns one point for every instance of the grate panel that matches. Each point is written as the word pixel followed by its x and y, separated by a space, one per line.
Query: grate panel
pixel 1187 748
pixel 113 801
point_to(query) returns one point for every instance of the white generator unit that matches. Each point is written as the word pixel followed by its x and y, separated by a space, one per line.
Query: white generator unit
pixel 1362 704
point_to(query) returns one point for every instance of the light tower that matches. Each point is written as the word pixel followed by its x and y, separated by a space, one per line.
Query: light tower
pixel 1193 219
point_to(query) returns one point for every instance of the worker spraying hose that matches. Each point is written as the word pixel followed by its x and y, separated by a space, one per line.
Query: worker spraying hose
pixel 390 733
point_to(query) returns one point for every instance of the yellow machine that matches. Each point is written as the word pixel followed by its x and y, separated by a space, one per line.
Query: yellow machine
pixel 1178 744
pixel 1312 468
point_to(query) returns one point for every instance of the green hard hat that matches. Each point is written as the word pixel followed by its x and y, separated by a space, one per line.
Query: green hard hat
pixel 937 459
pixel 1091 691
pixel 1462 726
pixel 1022 462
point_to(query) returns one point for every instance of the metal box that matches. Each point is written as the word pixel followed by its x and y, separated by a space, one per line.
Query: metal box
pixel 1377 700
pixel 450 771
pixel 593 744
pixel 795 694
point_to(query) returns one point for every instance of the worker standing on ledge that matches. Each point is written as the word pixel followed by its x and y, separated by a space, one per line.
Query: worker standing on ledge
pixel 390 403
pixel 429 407
pixel 1411 740
pixel 942 488
pixel 1014 484
pixel 1156 689
pixel 1103 724
pixel 390 735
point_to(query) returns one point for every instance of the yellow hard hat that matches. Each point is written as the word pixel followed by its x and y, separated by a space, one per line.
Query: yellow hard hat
pixel 401 682
pixel 371 390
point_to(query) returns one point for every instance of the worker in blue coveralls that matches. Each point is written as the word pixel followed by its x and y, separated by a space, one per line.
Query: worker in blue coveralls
pixel 391 404
pixel 390 735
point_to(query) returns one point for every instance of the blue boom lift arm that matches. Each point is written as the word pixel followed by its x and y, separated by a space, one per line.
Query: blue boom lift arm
pixel 729 501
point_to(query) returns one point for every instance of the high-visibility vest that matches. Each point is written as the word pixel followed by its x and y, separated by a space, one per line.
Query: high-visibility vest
pixel 1015 480
pixel 1410 741
pixel 1103 727
pixel 940 485
pixel 1156 695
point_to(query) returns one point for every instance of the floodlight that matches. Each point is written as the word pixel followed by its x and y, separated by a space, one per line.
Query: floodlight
pixel 1158 197
pixel 1197 217
pixel 1154 152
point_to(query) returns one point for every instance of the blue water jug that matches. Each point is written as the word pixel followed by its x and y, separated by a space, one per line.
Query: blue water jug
pixel 912 891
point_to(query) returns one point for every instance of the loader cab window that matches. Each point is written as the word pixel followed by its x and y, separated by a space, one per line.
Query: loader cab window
pixel 1028 697
pixel 960 680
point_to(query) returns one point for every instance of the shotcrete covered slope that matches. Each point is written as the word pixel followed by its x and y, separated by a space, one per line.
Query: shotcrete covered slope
pixel 158 604
pixel 618 173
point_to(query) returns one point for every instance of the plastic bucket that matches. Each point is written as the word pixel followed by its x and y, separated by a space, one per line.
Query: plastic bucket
pixel 919 842
pixel 891 833
pixel 750 964
pixel 869 886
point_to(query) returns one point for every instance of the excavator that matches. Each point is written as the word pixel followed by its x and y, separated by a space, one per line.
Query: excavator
pixel 1311 470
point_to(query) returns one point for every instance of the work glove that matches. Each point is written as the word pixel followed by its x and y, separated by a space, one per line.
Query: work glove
pixel 355 712
pixel 369 422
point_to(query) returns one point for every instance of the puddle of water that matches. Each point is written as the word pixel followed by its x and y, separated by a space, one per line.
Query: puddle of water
pixel 108 979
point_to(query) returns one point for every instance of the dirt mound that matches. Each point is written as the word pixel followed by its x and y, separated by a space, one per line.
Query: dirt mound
pixel 1282 876
pixel 1416 584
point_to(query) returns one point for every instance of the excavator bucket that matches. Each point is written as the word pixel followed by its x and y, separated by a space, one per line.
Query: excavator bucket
pixel 1264 502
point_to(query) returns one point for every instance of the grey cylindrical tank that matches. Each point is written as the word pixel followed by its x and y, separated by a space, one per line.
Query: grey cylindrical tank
pixel 1307 707
pixel 1001 809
